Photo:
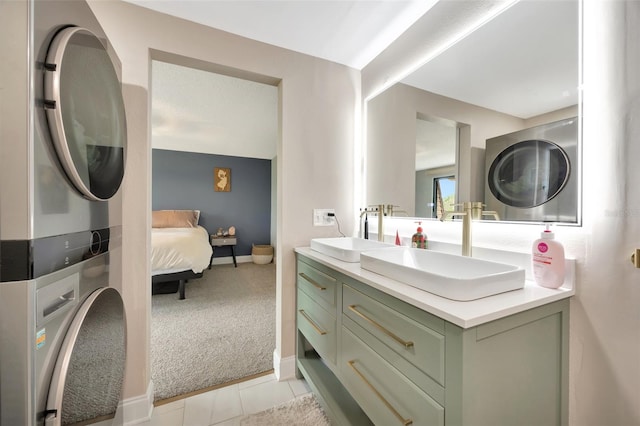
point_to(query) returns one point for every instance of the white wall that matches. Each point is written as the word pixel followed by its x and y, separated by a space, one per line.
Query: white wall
pixel 318 101
pixel 605 316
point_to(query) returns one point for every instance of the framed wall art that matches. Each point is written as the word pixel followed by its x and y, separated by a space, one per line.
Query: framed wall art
pixel 222 179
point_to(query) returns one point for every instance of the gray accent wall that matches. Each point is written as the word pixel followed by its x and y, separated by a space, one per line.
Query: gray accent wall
pixel 184 180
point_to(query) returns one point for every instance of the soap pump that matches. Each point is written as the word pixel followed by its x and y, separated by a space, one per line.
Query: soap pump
pixel 548 260
pixel 419 240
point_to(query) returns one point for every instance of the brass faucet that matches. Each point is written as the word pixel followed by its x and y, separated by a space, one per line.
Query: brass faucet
pixel 393 211
pixel 471 210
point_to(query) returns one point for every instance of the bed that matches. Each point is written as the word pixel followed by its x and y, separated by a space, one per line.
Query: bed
pixel 180 248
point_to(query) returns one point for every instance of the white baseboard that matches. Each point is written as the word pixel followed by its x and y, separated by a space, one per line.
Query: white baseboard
pixel 239 259
pixel 284 368
pixel 136 410
pixel 228 259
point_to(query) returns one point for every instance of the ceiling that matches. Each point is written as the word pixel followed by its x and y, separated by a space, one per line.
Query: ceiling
pixel 344 31
pixel 514 64
pixel 200 111
pixel 523 62
pixel 347 32
pixel 485 68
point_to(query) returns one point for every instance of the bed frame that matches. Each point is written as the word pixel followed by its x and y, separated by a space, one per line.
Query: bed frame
pixel 182 278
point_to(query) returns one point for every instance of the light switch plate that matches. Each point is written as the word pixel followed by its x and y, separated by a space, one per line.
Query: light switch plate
pixel 321 217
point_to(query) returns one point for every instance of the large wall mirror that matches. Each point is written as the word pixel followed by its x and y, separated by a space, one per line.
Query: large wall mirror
pixel 450 131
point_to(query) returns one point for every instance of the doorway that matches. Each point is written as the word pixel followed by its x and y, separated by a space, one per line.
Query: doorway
pixel 206 117
pixel 436 151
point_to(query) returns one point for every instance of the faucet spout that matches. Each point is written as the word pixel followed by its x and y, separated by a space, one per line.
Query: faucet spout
pixel 470 212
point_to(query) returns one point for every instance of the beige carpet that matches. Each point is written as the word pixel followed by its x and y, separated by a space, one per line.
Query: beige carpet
pixel 223 331
pixel 303 411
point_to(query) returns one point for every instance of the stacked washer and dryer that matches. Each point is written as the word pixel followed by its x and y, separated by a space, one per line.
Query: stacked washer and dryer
pixel 62 157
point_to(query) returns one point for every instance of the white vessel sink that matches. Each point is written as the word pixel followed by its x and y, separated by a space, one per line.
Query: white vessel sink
pixel 447 275
pixel 347 249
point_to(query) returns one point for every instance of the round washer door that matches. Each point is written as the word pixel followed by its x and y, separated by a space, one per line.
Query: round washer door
pixel 529 173
pixel 89 372
pixel 85 112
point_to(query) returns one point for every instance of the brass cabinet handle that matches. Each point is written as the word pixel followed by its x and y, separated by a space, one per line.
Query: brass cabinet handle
pixel 405 343
pixel 312 281
pixel 635 258
pixel 313 324
pixel 405 422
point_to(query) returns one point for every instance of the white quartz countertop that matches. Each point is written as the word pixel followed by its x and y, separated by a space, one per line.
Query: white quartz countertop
pixel 463 314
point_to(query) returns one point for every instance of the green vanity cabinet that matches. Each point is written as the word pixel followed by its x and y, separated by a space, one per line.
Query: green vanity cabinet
pixel 396 364
pixel 318 319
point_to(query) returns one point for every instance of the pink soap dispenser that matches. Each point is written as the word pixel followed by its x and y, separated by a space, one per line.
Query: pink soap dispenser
pixel 548 260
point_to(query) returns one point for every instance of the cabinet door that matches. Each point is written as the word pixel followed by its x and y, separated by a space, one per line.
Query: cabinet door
pixel 385 395
pixel 420 345
pixel 318 326
pixel 318 284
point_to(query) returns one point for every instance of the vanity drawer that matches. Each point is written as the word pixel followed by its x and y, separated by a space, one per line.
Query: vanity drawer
pixel 385 395
pixel 413 341
pixel 318 326
pixel 318 284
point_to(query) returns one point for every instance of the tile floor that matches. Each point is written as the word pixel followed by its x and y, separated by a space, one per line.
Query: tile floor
pixel 226 406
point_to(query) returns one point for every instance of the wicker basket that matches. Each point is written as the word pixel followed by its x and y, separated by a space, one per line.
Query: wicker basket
pixel 261 254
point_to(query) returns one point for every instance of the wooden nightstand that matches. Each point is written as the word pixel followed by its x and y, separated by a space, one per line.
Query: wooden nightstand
pixel 229 241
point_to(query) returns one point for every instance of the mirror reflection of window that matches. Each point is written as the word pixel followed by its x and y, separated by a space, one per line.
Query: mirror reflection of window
pixel 444 195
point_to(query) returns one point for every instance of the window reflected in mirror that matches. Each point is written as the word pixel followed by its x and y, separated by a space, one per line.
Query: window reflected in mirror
pixel 444 195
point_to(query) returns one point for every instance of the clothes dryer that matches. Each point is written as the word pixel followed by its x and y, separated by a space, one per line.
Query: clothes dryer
pixel 64 129
pixel 532 175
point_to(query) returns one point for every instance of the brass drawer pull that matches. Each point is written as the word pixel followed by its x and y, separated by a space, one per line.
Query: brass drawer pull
pixel 635 258
pixel 405 343
pixel 312 281
pixel 313 324
pixel 405 422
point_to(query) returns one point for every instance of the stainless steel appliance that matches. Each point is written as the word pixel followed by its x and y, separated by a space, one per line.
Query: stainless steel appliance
pixel 532 174
pixel 63 344
pixel 63 130
pixel 62 158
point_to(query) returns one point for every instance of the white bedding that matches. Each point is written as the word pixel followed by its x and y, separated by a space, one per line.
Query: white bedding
pixel 179 249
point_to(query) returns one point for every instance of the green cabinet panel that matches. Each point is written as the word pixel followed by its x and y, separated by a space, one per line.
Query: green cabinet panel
pixel 418 344
pixel 317 325
pixel 385 394
pixel 318 282
pixel 521 369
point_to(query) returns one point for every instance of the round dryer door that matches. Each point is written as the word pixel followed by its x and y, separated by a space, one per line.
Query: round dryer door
pixel 85 112
pixel 89 372
pixel 529 173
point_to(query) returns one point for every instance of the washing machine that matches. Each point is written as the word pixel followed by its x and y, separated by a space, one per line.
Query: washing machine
pixel 533 174
pixel 63 342
pixel 62 160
